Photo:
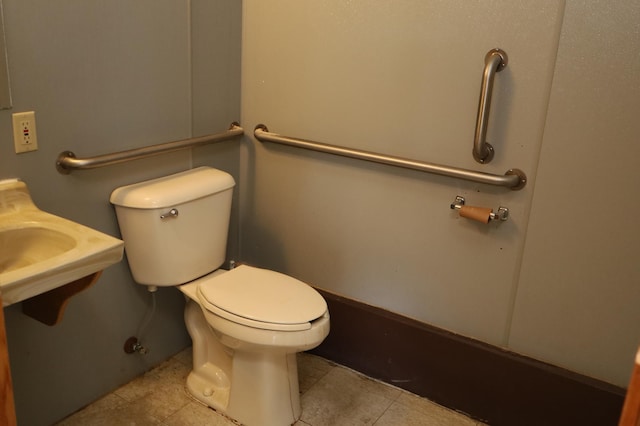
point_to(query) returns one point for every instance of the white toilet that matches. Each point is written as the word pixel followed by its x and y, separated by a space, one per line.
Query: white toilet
pixel 247 324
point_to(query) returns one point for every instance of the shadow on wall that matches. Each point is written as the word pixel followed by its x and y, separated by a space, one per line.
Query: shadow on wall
pixel 262 244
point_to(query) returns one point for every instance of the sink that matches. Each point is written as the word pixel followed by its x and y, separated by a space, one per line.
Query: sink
pixel 26 246
pixel 40 252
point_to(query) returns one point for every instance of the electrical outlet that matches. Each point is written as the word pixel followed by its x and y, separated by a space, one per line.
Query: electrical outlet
pixel 24 131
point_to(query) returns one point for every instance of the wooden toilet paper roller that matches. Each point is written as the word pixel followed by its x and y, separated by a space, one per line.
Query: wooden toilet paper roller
pixel 480 214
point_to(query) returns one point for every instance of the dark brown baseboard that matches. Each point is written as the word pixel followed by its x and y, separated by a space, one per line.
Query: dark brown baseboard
pixel 487 383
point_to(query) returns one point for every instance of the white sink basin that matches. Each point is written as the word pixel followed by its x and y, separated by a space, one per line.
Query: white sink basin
pixel 40 251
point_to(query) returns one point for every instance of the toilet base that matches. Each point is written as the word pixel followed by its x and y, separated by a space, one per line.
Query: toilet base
pixel 202 385
pixel 274 400
pixel 254 388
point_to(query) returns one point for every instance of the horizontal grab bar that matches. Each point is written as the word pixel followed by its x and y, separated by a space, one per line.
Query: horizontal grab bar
pixel 514 179
pixel 67 160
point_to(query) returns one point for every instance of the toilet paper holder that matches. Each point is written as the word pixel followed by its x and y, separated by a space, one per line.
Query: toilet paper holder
pixel 481 214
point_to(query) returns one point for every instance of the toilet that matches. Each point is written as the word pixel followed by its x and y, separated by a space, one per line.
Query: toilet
pixel 247 324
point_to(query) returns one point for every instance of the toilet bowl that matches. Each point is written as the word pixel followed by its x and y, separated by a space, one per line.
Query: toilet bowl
pixel 247 347
pixel 246 324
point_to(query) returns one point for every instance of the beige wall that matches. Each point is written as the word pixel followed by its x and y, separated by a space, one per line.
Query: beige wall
pixel 578 301
pixel 402 78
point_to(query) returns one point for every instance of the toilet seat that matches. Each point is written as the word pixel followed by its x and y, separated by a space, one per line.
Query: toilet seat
pixel 261 298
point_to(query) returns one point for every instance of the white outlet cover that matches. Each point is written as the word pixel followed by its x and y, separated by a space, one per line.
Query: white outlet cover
pixel 24 131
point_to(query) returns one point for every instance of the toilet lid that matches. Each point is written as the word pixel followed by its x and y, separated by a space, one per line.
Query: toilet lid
pixel 262 298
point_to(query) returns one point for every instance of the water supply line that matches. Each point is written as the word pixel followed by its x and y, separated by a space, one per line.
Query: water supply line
pixel 134 344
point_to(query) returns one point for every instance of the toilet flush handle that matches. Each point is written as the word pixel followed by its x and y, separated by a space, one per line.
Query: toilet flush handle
pixel 171 213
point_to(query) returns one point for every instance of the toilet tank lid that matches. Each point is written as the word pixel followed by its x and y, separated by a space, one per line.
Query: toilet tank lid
pixel 172 190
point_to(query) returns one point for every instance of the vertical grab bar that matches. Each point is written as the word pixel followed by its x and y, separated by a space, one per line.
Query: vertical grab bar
pixel 495 61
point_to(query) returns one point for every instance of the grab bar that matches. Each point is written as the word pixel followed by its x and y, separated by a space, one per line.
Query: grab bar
pixel 514 178
pixel 67 160
pixel 495 61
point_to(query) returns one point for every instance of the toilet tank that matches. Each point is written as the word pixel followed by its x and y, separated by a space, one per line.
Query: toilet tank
pixel 175 227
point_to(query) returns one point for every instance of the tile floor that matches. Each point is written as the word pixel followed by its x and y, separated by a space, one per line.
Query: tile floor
pixel 331 395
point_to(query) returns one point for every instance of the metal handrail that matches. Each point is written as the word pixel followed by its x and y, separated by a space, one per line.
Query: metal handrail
pixel 495 61
pixel 67 160
pixel 514 178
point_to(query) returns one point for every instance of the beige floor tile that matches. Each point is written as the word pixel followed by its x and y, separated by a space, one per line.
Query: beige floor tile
pixel 139 387
pixel 164 400
pixel 172 370
pixel 111 411
pixel 331 395
pixel 311 368
pixel 412 410
pixel 196 414
pixel 159 392
pixel 343 397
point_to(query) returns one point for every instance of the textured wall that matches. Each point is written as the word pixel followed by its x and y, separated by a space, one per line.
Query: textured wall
pixel 403 79
pixel 579 288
